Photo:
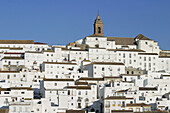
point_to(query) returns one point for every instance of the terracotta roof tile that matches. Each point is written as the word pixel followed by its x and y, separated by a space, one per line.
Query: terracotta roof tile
pixel 45 79
pixel 16 41
pixel 122 40
pixel 106 63
pixel 117 98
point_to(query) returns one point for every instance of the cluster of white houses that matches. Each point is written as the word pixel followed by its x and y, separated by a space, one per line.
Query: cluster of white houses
pixel 96 74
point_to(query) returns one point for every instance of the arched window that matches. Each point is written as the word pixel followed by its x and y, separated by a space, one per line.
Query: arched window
pixel 99 30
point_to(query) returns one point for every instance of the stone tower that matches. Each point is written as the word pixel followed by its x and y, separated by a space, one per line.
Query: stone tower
pixel 98 26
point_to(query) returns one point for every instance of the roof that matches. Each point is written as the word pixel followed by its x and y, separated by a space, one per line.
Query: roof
pixel 147 53
pixel 130 50
pixel 117 98
pixel 16 48
pixel 12 53
pixel 32 52
pixel 86 61
pixel 165 75
pixel 164 56
pixel 130 74
pixel 121 91
pixel 18 58
pixel 20 88
pixel 77 50
pixel 106 63
pixel 16 41
pixel 111 77
pixel 153 111
pixel 4 47
pixel 141 37
pixel 4 110
pixel 81 83
pixel 139 104
pixel 91 79
pixel 48 51
pixel 79 87
pixel 75 111
pixel 40 43
pixel 12 48
pixel 5 89
pixel 122 40
pixel 112 111
pixel 60 63
pixel 45 79
pixel 148 88
pixel 93 35
pixel 9 71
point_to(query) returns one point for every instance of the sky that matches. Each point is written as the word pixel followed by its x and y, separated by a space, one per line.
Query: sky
pixel 62 21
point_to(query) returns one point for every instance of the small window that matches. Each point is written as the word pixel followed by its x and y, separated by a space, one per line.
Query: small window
pixel 79 92
pixel 102 68
pixel 99 30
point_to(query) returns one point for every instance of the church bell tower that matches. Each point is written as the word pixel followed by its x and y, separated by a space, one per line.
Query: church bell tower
pixel 98 26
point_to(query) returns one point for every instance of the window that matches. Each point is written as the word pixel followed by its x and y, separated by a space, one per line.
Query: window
pixel 55 84
pixel 9 63
pixel 130 62
pixel 99 30
pixel 14 110
pixel 124 61
pixel 69 92
pixel 123 55
pixel 146 43
pixel 144 58
pixel 20 109
pixel 149 58
pixel 145 65
pixel 8 77
pixel 107 104
pixel 79 92
pixel 102 68
pixel 86 92
pixel 130 56
pixel 6 92
pixel 107 110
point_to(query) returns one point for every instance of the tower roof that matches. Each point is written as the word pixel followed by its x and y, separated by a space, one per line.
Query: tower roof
pixel 142 37
pixel 98 19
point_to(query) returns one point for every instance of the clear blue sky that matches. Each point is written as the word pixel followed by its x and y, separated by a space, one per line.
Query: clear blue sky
pixel 64 21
